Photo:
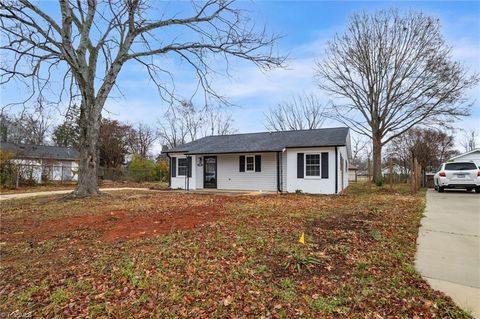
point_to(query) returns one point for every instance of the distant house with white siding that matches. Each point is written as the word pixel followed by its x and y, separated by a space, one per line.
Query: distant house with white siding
pixel 44 163
pixel 311 161
pixel 473 156
pixel 352 172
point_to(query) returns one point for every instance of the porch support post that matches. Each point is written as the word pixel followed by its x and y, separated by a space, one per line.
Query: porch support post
pixel 169 171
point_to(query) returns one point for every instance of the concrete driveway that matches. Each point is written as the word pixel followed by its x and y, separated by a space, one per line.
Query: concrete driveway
pixel 448 252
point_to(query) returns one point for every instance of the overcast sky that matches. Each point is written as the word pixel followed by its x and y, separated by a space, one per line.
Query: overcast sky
pixel 305 26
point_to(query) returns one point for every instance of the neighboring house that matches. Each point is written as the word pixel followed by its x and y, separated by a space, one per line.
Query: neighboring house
pixel 396 169
pixel 163 155
pixel 352 173
pixel 44 163
pixel 472 156
pixel 310 161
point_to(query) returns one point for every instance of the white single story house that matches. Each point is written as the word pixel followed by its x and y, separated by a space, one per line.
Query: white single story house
pixel 310 161
pixel 42 163
pixel 472 156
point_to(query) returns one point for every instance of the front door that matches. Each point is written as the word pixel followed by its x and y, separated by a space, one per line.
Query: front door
pixel 209 172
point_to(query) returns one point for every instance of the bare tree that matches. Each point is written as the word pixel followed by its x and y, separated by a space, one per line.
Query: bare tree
pixel 218 122
pixel 180 123
pixel 469 140
pixel 302 112
pixel 388 73
pixel 140 139
pixel 359 149
pixel 29 126
pixel 430 147
pixel 90 41
pixel 184 122
pixel 37 126
pixel 172 129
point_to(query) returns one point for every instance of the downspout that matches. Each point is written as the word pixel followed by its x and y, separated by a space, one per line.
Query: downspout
pixel 169 171
pixel 283 187
pixel 278 172
pixel 189 169
pixel 336 170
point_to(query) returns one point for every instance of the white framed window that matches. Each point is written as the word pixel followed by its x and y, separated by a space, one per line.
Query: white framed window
pixel 249 163
pixel 312 165
pixel 182 167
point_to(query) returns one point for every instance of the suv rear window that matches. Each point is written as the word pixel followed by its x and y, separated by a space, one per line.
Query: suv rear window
pixel 460 166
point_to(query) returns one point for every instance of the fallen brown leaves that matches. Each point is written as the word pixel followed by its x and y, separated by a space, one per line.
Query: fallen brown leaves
pixel 217 256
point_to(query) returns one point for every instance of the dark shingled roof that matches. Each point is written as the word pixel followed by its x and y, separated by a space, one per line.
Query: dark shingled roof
pixel 265 141
pixel 28 151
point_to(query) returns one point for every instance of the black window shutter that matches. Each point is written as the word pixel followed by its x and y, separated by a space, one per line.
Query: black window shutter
pixel 324 165
pixel 189 164
pixel 258 163
pixel 242 163
pixel 300 165
pixel 174 166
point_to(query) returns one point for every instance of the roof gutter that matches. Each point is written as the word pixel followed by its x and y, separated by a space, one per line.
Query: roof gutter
pixel 36 158
pixel 246 152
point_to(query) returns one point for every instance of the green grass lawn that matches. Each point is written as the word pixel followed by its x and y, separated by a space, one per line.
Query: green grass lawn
pixel 241 257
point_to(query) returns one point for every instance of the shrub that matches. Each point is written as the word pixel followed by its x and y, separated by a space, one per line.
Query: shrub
pixel 161 170
pixel 8 171
pixel 11 173
pixel 142 169
pixel 379 182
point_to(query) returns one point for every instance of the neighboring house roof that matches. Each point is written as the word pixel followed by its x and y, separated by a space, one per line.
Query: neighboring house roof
pixel 29 151
pixel 397 169
pixel 265 141
pixel 362 173
pixel 467 153
pixel 352 167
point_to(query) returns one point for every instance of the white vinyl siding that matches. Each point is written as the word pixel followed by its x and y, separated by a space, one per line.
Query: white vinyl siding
pixel 342 174
pixel 185 182
pixel 197 171
pixel 308 184
pixel 53 171
pixel 284 171
pixel 229 176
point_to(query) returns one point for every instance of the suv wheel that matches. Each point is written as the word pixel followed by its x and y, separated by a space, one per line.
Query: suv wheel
pixel 441 189
pixel 477 189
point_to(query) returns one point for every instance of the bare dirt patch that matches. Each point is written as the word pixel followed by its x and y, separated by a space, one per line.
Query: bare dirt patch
pixel 114 225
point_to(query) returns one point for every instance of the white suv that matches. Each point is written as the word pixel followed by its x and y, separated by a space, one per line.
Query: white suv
pixel 457 175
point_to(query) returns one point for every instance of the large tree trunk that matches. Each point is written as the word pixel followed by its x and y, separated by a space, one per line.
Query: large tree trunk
pixel 377 158
pixel 87 177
